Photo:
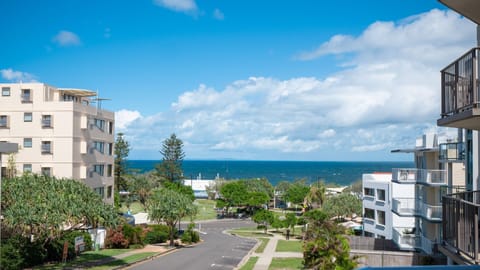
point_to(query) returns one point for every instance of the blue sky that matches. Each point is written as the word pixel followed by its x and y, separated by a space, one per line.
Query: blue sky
pixel 275 80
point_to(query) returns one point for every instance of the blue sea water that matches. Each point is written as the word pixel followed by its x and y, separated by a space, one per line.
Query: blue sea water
pixel 341 173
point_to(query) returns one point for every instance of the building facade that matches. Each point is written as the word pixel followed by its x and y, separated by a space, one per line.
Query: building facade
pixel 61 132
pixel 460 108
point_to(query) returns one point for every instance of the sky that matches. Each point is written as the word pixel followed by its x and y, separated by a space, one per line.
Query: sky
pixel 246 80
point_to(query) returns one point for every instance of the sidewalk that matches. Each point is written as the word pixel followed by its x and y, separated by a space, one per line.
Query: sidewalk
pixel 265 258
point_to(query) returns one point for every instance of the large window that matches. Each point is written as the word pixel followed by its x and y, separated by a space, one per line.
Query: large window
pixel 109 170
pixel 369 213
pixel 26 95
pixel 381 194
pixel 27 142
pixel 99 146
pixel 5 91
pixel 3 121
pixel 99 169
pixel 110 149
pixel 381 217
pixel 46 121
pixel 27 117
pixel 100 191
pixel 27 168
pixel 369 192
pixel 109 192
pixel 46 147
pixel 99 123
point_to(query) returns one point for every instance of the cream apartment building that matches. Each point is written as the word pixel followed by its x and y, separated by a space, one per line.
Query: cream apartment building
pixel 61 132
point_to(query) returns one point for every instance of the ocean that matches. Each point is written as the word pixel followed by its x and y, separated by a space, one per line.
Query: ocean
pixel 341 173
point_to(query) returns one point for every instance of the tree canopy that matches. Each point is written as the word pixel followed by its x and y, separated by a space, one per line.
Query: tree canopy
pixel 342 205
pixel 296 192
pixel 122 149
pixel 170 169
pixel 45 206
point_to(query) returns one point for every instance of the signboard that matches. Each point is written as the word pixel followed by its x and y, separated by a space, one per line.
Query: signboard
pixel 79 244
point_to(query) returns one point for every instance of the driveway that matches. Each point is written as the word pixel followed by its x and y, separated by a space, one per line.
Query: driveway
pixel 218 250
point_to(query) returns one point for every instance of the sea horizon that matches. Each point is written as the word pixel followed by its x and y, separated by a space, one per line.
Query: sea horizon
pixel 338 172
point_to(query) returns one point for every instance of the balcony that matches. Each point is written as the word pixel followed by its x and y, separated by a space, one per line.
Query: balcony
pixel 419 176
pixel 425 244
pixel 461 93
pixel 431 212
pixel 404 238
pixel 413 207
pixel 452 152
pixel 461 227
pixel 404 206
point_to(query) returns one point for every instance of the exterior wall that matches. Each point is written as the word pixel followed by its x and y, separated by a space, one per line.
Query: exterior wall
pixel 377 182
pixel 71 134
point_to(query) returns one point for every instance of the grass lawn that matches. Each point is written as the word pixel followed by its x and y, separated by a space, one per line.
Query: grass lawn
pixel 263 244
pixel 135 208
pixel 129 259
pixel 286 263
pixel 249 264
pixel 206 209
pixel 87 256
pixel 289 246
pixel 251 234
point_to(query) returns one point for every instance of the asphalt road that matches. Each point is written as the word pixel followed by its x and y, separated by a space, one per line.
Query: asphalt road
pixel 218 250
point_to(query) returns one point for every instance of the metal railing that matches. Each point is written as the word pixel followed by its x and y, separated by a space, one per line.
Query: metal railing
pixel 460 84
pixel 421 176
pixel 404 237
pixel 404 206
pixel 460 223
pixel 452 151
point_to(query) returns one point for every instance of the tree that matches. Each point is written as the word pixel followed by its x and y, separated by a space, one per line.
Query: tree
pixel 233 193
pixel 141 187
pixel 342 205
pixel 169 206
pixel 122 149
pixel 315 196
pixel 326 246
pixel 291 221
pixel 170 169
pixel 259 185
pixel 43 207
pixel 263 217
pixel 11 166
pixel 257 199
pixel 296 192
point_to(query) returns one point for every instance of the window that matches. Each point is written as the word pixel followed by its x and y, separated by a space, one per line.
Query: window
pixel 27 168
pixel 99 146
pixel 369 192
pixel 99 123
pixel 3 121
pixel 27 142
pixel 47 171
pixel 369 213
pixel 46 147
pixel 100 191
pixel 110 149
pixel 110 127
pixel 27 117
pixel 381 217
pixel 26 96
pixel 109 170
pixel 46 121
pixel 5 91
pixel 99 169
pixel 109 192
pixel 381 194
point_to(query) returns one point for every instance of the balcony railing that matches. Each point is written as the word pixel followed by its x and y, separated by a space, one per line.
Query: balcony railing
pixel 429 211
pixel 412 207
pixel 460 224
pixel 404 238
pixel 425 244
pixel 404 206
pixel 452 151
pixel 420 176
pixel 460 84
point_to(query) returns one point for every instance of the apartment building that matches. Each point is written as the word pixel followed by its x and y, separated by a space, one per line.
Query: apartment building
pixel 436 173
pixel 378 192
pixel 61 132
pixel 460 108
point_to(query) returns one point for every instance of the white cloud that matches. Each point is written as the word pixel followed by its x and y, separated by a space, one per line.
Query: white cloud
pixel 178 5
pixel 16 76
pixel 123 118
pixel 386 96
pixel 66 38
pixel 218 14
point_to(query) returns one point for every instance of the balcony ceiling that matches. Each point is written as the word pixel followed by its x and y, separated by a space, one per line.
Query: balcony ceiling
pixel 467 8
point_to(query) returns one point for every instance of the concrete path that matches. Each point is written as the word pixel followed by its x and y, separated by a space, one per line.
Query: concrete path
pixel 265 258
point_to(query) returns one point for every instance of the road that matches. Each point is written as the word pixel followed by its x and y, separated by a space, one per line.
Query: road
pixel 218 250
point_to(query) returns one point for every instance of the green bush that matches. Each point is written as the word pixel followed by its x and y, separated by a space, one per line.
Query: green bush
pixel 55 248
pixel 134 234
pixel 156 234
pixel 190 236
pixel 18 252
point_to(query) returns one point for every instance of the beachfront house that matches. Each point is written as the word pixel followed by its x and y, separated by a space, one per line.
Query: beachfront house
pixel 460 108
pixel 62 132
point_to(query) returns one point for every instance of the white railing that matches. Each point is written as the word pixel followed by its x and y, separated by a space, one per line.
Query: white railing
pixel 404 238
pixel 429 211
pixel 404 175
pixel 422 176
pixel 403 206
pixel 425 244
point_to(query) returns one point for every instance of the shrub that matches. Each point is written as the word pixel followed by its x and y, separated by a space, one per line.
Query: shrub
pixel 55 248
pixel 156 234
pixel 18 252
pixel 116 239
pixel 134 234
pixel 190 236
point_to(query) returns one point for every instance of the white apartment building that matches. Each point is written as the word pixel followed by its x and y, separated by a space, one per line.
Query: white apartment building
pixel 460 108
pixel 378 192
pixel 439 170
pixel 61 132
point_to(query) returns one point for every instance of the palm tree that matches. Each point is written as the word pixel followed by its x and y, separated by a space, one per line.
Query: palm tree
pixel 315 196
